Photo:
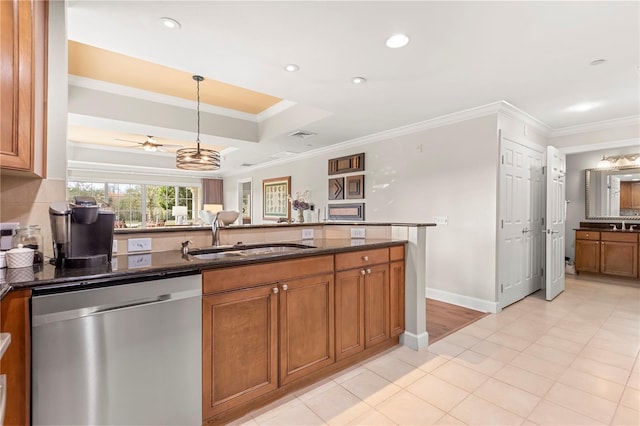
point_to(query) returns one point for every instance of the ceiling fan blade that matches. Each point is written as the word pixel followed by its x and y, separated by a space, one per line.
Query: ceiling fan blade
pixel 169 146
pixel 127 140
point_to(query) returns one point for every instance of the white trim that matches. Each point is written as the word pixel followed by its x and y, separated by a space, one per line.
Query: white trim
pixel 594 127
pixel 464 301
pixel 444 120
pixel 274 110
pixel 414 341
pixel 118 89
pixel 92 166
pixel 600 146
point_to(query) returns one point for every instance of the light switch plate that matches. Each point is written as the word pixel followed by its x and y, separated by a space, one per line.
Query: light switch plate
pixel 139 244
pixel 307 234
pixel 441 220
pixel 358 233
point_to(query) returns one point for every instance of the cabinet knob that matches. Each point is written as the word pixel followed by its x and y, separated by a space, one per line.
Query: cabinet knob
pixel 362 272
pixel 275 290
pixel 368 271
pixel 284 287
pixel 365 258
pixel 586 235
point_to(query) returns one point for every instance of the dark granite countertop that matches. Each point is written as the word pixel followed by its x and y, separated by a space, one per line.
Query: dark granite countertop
pixel 191 228
pixel 145 266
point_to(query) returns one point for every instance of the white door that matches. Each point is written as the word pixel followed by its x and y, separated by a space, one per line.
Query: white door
pixel 520 230
pixel 555 219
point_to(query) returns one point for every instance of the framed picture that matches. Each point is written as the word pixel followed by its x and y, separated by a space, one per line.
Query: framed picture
pixel 336 188
pixel 275 198
pixel 354 188
pixel 353 212
pixel 350 163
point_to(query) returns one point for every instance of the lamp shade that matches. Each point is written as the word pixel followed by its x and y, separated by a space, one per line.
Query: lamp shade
pixel 179 211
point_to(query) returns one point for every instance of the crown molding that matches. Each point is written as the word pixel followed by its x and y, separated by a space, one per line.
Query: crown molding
pixel 600 146
pixel 92 166
pixel 444 120
pixel 594 127
pixel 118 89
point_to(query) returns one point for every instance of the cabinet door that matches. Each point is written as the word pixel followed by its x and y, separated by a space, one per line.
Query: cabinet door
pixel 635 195
pixel 587 256
pixel 306 326
pixel 376 305
pixel 240 347
pixel 619 258
pixel 396 290
pixel 625 195
pixel 23 47
pixel 349 312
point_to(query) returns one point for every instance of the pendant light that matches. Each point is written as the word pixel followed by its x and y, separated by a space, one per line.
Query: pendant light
pixel 197 158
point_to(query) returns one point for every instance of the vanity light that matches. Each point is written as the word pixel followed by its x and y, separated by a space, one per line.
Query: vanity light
pixel 197 158
pixel 170 23
pixel 397 40
pixel 622 160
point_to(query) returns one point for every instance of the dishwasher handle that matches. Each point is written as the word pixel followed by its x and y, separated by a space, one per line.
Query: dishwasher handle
pixel 42 319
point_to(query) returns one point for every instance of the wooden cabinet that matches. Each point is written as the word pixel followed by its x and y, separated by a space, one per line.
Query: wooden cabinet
pixel 264 326
pixel 23 46
pixel 363 308
pixel 611 253
pixel 16 362
pixel 619 254
pixel 587 251
pixel 630 195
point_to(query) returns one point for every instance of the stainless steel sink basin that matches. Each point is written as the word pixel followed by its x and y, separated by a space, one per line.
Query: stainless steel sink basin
pixel 238 250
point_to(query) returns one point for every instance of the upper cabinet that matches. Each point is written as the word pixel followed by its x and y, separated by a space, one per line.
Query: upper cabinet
pixel 23 88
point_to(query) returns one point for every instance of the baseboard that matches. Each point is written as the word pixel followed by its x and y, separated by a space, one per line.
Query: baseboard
pixel 414 341
pixel 464 301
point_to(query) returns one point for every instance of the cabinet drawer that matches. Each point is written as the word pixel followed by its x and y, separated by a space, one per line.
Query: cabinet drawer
pixel 362 258
pixel 396 253
pixel 233 278
pixel 587 235
pixel 620 236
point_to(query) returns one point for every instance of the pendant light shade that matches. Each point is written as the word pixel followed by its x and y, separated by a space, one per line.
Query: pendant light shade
pixel 197 158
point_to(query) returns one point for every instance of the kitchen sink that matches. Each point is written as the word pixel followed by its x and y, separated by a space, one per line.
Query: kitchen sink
pixel 238 250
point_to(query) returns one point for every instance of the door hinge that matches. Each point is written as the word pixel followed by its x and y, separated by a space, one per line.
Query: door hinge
pixel 501 288
pixel 542 272
pixel 502 159
pixel 544 168
pixel 543 221
pixel 502 223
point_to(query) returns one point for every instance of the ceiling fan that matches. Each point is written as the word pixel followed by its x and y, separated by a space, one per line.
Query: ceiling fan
pixel 151 145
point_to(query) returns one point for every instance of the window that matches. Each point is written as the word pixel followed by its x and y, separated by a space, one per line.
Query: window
pixel 141 206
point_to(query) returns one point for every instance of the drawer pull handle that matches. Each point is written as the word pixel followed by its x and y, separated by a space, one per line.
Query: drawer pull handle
pixel 365 258
pixel 368 271
pixel 285 287
pixel 362 272
pixel 275 290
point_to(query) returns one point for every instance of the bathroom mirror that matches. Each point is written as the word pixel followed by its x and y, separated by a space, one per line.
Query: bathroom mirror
pixel 612 193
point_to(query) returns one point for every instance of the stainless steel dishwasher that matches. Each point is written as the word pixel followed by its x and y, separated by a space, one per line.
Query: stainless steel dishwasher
pixel 129 353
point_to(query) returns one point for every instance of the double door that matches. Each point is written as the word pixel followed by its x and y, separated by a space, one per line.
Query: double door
pixel 259 338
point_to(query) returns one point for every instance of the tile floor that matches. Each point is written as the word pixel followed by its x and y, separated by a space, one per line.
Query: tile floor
pixel 573 361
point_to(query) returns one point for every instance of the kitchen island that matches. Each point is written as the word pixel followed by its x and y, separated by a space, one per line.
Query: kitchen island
pixel 318 296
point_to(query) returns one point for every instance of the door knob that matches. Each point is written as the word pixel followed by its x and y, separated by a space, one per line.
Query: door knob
pixel 368 271
pixel 275 290
pixel 285 287
pixel 362 272
pixel 525 230
pixel 365 258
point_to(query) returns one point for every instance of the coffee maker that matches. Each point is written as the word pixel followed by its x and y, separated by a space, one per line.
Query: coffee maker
pixel 82 233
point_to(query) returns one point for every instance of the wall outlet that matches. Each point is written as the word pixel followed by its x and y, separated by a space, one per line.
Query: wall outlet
pixel 357 233
pixel 114 248
pixel 139 244
pixel 307 234
pixel 441 220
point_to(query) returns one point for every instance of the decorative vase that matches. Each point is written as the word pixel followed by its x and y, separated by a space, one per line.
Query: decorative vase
pixel 301 216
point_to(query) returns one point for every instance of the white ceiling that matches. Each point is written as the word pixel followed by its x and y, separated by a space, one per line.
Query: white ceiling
pixel 534 55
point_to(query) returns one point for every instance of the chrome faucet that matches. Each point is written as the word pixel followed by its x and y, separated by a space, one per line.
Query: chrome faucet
pixel 632 227
pixel 613 226
pixel 215 228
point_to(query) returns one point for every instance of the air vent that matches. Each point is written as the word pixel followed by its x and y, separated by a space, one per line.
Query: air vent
pixel 302 134
pixel 283 154
pixel 246 165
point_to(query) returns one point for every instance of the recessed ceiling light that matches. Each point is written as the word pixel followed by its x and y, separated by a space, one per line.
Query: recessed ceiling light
pixel 170 23
pixel 397 40
pixel 598 62
pixel 585 106
pixel 358 80
pixel 291 67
